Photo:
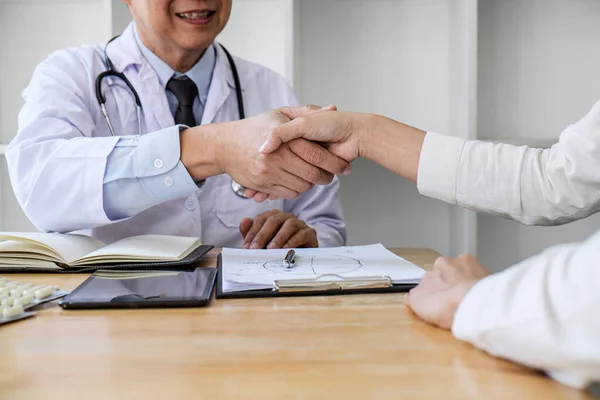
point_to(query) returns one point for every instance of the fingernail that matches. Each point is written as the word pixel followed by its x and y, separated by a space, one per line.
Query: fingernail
pixel 347 170
pixel 255 246
pixel 263 147
pixel 271 245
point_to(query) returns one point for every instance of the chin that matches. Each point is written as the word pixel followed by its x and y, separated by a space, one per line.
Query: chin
pixel 196 44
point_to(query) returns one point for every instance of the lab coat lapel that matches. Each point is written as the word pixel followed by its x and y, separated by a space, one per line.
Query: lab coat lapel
pixel 155 106
pixel 221 87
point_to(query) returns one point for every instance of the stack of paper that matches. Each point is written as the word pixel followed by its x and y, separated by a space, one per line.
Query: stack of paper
pixel 258 269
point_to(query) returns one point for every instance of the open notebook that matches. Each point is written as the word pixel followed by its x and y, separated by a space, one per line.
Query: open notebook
pixel 54 251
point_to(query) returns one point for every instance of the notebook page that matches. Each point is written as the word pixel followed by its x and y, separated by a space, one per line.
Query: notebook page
pixel 248 269
pixel 144 247
pixel 68 247
pixel 11 249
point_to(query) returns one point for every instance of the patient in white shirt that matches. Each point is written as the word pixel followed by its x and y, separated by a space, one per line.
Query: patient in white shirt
pixel 543 312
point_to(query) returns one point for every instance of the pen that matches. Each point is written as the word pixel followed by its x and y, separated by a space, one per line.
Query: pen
pixel 289 259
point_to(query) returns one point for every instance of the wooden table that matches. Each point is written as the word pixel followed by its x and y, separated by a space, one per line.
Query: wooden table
pixel 329 347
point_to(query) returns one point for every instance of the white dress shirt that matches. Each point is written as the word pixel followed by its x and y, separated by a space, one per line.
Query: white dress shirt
pixel 542 311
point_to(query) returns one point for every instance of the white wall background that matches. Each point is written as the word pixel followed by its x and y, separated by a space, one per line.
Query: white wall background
pixel 538 66
pixel 261 31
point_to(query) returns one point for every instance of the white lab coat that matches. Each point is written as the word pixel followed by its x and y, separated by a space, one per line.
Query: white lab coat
pixel 542 312
pixel 58 158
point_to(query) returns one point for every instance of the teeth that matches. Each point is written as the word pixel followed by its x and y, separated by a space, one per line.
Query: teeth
pixel 195 15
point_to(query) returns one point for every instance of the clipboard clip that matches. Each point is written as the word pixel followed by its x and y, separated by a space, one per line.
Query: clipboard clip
pixel 341 283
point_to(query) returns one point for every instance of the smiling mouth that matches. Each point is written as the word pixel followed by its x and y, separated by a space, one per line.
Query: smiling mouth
pixel 196 15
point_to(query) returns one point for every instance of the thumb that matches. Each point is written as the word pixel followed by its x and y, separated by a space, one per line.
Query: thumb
pixel 300 111
pixel 294 129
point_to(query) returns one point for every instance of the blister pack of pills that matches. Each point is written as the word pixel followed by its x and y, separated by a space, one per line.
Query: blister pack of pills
pixel 16 298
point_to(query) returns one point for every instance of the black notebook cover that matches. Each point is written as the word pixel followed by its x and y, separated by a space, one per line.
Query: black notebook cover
pixel 274 293
pixel 192 258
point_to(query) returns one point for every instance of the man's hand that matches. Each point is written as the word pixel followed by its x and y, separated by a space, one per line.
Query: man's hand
pixel 338 131
pixel 233 148
pixel 277 230
pixel 441 290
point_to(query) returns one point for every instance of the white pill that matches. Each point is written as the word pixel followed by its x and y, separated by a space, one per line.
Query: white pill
pixel 11 286
pixel 13 311
pixel 5 291
pixel 23 301
pixel 7 302
pixel 44 292
pixel 27 286
pixel 31 290
pixel 17 292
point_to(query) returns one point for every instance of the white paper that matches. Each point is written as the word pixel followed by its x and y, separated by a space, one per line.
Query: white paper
pixel 258 269
pixel 67 247
pixel 145 247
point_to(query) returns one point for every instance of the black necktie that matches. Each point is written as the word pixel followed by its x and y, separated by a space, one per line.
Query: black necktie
pixel 185 91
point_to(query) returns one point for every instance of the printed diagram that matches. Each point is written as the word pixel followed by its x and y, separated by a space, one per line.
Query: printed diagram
pixel 316 265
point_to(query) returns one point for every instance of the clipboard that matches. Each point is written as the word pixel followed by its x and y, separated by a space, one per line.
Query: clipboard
pixel 324 285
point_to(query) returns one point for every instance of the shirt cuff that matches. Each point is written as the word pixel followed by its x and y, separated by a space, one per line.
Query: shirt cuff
pixel 438 166
pixel 143 171
pixel 468 321
pixel 172 184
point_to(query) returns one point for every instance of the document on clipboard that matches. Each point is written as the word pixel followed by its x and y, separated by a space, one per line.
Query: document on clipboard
pixel 349 269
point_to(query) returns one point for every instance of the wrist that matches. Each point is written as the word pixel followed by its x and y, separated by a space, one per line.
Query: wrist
pixel 373 132
pixel 392 144
pixel 199 152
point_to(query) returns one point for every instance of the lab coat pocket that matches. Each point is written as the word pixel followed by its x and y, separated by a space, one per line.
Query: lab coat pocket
pixel 232 209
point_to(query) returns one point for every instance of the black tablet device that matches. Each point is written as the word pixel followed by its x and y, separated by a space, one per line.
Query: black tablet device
pixel 143 289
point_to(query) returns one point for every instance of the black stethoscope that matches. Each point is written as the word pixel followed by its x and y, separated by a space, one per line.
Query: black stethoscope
pixel 111 71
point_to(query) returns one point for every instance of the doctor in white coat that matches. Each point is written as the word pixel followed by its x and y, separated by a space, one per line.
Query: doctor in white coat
pixel 542 312
pixel 69 173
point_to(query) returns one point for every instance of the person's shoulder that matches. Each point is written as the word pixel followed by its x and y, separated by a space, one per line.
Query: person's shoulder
pixel 252 72
pixel 74 59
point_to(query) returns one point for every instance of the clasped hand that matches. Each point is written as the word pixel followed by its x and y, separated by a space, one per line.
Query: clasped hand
pixel 293 168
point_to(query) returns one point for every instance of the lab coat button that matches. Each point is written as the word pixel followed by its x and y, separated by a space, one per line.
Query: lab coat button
pixel 191 203
pixel 168 181
pixel 158 163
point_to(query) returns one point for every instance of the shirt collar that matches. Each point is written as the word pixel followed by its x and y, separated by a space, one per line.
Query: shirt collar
pixel 200 73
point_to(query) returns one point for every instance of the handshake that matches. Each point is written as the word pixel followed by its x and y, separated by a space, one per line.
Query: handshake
pixel 278 154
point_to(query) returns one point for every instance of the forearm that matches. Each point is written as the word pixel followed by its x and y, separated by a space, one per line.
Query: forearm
pixel 393 145
pixel 200 152
pixel 66 174
pixel 533 186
